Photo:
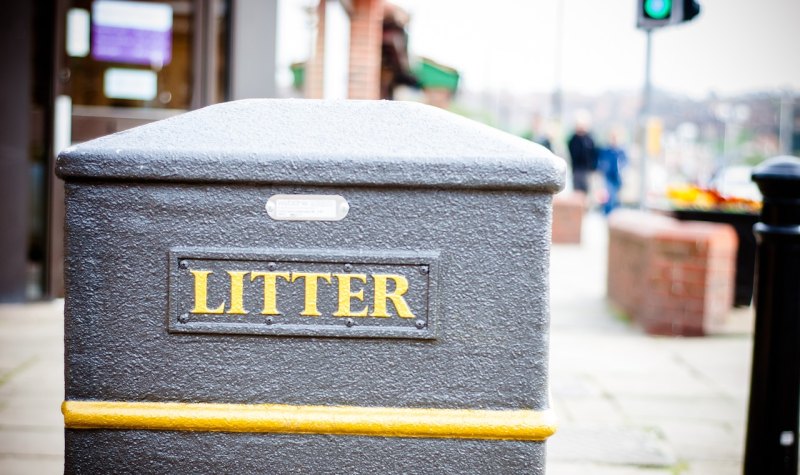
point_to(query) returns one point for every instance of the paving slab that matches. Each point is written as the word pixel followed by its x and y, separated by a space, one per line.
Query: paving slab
pixel 611 445
pixel 728 467
pixel 28 465
pixel 590 410
pixel 718 410
pixel 568 468
pixel 31 410
pixel 24 441
pixel 703 441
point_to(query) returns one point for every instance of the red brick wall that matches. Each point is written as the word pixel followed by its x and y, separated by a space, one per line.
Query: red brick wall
pixel 314 80
pixel 671 277
pixel 568 210
pixel 366 35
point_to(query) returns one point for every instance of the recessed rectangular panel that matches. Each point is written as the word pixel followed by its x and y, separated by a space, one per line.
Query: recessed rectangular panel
pixel 303 293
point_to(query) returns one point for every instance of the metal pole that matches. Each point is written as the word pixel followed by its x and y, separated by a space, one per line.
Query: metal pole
pixel 772 424
pixel 556 105
pixel 643 117
pixel 786 122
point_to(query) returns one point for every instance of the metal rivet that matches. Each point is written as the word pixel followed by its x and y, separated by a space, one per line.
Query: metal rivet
pixel 420 324
pixel 183 318
pixel 272 266
pixel 349 322
pixel 270 320
pixel 423 270
pixel 348 267
pixel 183 264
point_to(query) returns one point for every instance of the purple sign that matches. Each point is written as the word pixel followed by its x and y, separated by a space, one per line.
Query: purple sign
pixel 132 32
pixel 127 45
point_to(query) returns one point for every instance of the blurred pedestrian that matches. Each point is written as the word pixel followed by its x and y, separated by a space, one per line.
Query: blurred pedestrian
pixel 610 162
pixel 537 133
pixel 582 153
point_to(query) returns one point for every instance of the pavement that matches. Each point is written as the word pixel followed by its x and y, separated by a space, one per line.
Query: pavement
pixel 31 388
pixel 628 403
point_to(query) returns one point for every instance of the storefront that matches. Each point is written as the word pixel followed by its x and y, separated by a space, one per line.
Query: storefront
pixel 80 69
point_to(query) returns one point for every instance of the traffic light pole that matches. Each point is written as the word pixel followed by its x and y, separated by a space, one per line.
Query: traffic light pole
pixel 650 15
pixel 643 117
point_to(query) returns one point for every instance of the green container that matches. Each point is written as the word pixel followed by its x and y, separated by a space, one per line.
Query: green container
pixel 433 75
pixel 298 75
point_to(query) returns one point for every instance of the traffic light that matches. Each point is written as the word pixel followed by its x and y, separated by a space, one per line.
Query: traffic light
pixel 657 10
pixel 653 14
pixel 690 10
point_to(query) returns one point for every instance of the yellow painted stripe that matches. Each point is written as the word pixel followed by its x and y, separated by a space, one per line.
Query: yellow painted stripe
pixel 343 420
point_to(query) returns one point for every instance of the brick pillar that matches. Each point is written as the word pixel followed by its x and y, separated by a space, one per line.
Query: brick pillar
pixel 366 36
pixel 671 277
pixel 315 66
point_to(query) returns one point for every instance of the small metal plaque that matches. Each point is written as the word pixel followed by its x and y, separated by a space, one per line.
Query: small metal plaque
pixel 303 293
pixel 307 207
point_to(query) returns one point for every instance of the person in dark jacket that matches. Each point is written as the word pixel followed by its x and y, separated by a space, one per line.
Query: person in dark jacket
pixel 583 155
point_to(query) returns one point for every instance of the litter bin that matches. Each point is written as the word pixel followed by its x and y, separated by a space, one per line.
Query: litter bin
pixel 292 286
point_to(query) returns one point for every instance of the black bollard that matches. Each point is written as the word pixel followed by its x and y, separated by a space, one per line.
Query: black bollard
pixel 772 424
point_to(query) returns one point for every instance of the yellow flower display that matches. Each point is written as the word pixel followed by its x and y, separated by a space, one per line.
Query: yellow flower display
pixel 695 197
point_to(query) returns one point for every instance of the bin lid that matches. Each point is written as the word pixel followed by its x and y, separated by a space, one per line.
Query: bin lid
pixel 316 142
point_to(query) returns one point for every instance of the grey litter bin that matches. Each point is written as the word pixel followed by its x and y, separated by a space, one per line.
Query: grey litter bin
pixel 292 286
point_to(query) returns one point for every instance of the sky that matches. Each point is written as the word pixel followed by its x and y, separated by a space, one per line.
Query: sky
pixel 733 46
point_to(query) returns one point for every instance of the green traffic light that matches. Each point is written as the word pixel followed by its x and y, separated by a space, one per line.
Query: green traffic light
pixel 658 9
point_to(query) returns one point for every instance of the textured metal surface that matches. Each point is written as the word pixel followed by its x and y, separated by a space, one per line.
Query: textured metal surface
pixel 479 199
pixel 136 452
pixel 492 334
pixel 310 142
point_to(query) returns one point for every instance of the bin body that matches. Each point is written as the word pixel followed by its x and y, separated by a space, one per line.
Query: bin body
pixel 245 300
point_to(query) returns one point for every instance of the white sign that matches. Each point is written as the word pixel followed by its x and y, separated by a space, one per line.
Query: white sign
pixel 78 32
pixel 133 15
pixel 133 84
